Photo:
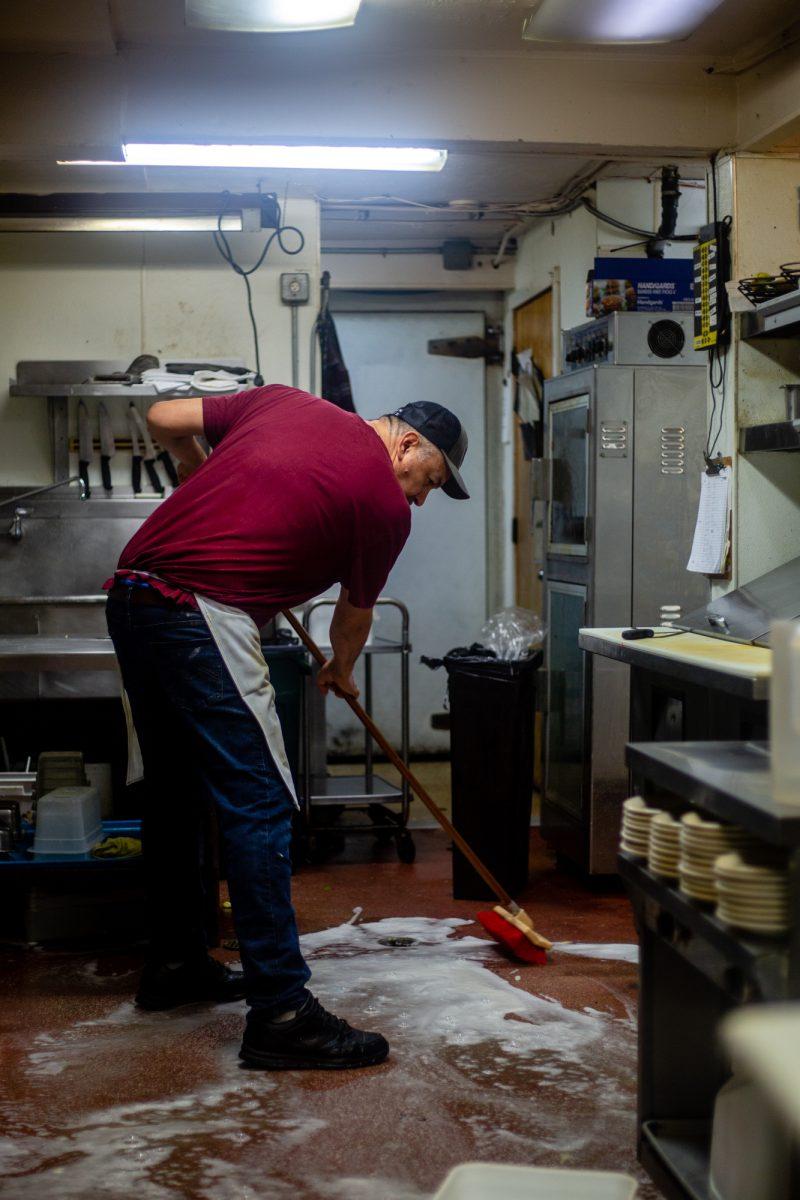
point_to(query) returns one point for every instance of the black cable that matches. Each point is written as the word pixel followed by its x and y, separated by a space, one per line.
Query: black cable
pixel 649 234
pixel 223 245
pixel 717 362
pixel 560 210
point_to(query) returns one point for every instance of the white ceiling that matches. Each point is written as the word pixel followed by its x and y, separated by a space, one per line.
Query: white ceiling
pixel 109 40
pixel 443 27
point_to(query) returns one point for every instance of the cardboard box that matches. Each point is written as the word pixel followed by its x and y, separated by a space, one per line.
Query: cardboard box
pixel 639 285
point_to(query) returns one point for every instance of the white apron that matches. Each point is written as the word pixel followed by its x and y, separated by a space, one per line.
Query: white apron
pixel 236 637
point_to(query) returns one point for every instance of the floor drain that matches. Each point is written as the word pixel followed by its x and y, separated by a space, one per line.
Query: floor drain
pixel 397 941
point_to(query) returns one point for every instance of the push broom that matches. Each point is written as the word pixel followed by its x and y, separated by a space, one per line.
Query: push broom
pixel 507 923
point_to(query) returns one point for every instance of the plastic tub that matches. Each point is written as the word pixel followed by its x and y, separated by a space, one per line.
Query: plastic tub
pixel 488 1181
pixel 68 823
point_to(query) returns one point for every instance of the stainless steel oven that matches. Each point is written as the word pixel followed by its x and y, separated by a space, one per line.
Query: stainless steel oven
pixel 568 457
pixel 624 458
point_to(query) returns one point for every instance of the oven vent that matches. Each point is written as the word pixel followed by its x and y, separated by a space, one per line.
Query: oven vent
pixel 613 439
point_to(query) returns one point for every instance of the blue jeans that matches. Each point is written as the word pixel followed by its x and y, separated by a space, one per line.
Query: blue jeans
pixel 201 743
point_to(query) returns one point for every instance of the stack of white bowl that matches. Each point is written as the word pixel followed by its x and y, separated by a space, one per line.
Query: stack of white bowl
pixel 636 818
pixel 702 842
pixel 752 896
pixel 664 849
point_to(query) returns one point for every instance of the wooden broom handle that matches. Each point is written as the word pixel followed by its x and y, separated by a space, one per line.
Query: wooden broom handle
pixel 411 779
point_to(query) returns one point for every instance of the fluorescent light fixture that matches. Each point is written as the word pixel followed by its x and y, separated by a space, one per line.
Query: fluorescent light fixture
pixel 615 21
pixel 271 16
pixel 308 158
pixel 230 222
pixel 145 212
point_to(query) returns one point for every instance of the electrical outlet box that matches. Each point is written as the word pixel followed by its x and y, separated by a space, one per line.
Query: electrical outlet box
pixel 295 287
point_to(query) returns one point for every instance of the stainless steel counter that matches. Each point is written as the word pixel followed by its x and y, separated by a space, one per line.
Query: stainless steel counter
pixel 56 654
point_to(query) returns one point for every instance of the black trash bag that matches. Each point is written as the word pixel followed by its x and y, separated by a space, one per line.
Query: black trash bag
pixel 461 654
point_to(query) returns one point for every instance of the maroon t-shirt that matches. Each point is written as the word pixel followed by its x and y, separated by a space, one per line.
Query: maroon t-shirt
pixel 296 496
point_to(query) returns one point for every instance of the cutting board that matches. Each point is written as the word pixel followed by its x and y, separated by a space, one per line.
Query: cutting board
pixel 752 662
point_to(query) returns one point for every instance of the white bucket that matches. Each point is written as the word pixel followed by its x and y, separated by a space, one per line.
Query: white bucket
pixel 488 1181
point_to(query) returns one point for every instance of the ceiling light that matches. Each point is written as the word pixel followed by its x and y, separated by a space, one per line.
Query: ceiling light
pixel 144 212
pixel 319 158
pixel 615 21
pixel 271 16
pixel 231 222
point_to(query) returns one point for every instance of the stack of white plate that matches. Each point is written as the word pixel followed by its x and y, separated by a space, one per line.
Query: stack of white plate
pixel 752 896
pixel 702 842
pixel 636 818
pixel 664 850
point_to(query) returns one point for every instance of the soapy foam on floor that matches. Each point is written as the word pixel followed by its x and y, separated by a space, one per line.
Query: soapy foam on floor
pixel 480 1070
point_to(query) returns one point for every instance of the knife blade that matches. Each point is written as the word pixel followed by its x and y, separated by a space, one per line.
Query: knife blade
pixel 85 446
pixel 136 455
pixel 107 447
pixel 149 451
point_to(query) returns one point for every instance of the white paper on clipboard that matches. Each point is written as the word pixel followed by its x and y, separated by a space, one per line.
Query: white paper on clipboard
pixel 710 545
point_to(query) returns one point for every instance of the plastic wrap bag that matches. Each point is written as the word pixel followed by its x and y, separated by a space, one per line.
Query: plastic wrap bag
pixel 512 633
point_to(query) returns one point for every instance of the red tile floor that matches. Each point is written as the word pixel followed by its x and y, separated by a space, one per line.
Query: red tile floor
pixel 491 1060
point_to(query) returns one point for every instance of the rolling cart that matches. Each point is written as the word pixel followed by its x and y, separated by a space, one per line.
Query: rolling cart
pixel 385 804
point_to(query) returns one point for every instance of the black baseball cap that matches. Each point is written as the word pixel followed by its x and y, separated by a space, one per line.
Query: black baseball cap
pixel 444 430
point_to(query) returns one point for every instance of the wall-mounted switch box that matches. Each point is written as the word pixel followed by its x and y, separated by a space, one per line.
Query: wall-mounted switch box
pixel 295 287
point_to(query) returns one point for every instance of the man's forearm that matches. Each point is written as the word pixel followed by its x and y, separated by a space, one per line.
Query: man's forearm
pixel 349 631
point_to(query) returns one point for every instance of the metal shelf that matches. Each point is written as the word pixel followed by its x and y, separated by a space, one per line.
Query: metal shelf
pixel 366 791
pixel 779 435
pixel 106 391
pixel 681 1151
pixel 774 318
pixel 731 780
pixel 686 951
pixel 354 789
pixel 761 959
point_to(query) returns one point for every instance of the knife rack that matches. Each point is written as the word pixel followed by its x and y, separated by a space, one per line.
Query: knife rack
pixel 120 443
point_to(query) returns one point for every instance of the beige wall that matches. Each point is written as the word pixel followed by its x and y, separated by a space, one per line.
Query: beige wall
pixel 560 252
pixel 115 296
pixel 762 195
pixel 767 497
pixel 415 272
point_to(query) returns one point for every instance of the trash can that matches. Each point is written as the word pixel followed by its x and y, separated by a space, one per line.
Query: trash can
pixel 288 668
pixel 492 714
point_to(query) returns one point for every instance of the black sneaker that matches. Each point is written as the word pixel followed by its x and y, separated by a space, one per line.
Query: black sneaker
pixel 314 1039
pixel 164 987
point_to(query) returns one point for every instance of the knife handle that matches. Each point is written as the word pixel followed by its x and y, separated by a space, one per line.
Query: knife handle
pixel 169 467
pixel 83 471
pixel 136 473
pixel 105 471
pixel 153 476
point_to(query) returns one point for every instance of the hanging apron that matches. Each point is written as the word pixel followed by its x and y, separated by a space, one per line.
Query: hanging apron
pixel 237 639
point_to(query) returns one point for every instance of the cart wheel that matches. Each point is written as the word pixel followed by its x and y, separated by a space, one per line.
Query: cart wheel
pixel 406 850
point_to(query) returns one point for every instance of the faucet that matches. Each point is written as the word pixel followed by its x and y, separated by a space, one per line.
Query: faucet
pixel 15 529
